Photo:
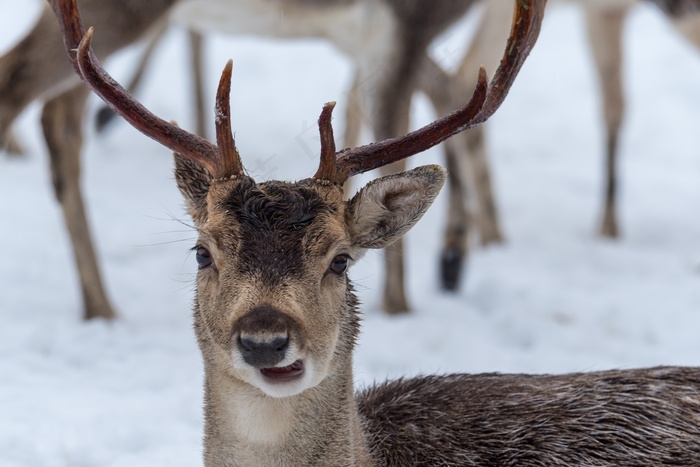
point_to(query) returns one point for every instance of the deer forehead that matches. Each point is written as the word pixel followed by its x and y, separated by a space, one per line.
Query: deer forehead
pixel 273 228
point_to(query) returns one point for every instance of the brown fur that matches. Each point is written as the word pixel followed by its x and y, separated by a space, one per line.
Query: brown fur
pixel 622 417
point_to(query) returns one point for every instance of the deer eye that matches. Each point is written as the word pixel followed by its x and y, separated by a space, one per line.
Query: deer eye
pixel 203 257
pixel 339 264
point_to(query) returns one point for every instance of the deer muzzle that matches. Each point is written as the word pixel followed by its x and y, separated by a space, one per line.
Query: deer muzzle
pixel 265 335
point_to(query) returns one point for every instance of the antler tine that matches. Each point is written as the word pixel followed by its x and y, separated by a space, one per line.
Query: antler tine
pixel 96 78
pixel 328 169
pixel 230 162
pixel 527 20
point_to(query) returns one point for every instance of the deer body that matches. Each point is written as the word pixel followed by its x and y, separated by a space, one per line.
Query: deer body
pixel 623 417
pixel 351 25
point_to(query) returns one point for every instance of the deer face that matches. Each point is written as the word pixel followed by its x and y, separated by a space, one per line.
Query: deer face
pixel 274 305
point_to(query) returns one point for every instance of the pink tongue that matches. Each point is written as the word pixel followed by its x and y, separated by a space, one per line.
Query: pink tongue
pixel 289 370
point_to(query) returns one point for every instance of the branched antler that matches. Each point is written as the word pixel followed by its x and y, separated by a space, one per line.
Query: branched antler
pixel 220 162
pixel 223 161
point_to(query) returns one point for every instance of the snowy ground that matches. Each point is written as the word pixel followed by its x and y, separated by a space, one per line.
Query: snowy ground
pixel 554 298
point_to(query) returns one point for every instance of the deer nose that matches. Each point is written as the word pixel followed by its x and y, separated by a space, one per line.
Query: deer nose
pixel 263 353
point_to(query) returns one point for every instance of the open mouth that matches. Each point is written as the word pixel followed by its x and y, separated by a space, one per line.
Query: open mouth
pixel 284 373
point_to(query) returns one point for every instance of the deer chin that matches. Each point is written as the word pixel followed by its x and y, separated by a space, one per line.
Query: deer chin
pixel 289 378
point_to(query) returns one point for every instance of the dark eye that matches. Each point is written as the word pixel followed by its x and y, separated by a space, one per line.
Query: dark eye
pixel 203 257
pixel 339 264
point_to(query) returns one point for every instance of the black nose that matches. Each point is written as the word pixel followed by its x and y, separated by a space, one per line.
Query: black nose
pixel 263 354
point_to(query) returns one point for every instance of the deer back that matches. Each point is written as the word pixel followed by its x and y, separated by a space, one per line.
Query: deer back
pixel 621 417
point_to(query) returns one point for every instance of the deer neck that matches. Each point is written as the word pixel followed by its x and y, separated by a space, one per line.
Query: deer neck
pixel 244 426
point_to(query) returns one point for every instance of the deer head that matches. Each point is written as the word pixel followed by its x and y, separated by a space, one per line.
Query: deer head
pixel 274 307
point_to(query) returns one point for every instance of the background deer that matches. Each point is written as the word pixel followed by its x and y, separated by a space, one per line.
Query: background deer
pixel 605 22
pixel 278 361
pixel 391 36
pixel 36 69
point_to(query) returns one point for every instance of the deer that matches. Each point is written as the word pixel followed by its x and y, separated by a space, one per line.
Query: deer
pixel 604 26
pixel 604 22
pixel 386 40
pixel 36 69
pixel 276 318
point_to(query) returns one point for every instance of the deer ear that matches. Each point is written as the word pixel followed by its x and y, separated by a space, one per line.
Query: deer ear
pixel 388 207
pixel 193 181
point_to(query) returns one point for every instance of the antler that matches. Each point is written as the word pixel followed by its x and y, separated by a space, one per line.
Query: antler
pixel 224 161
pixel 485 101
pixel 328 170
pixel 220 162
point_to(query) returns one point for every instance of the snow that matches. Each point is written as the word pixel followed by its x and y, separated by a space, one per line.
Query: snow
pixel 554 298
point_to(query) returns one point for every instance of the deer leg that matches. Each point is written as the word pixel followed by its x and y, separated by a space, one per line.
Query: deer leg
pixel 353 114
pixel 456 238
pixel 197 63
pixel 392 119
pixel 395 301
pixel 441 89
pixel 61 121
pixel 605 36
pixel 487 218
pixel 353 121
pixel 484 50
pixel 12 145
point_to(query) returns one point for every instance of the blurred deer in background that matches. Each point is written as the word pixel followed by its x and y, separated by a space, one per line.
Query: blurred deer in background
pixel 276 317
pixel 605 22
pixel 390 36
pixel 36 68
pixel 466 154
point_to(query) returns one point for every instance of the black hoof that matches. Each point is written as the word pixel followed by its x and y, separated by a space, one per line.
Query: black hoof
pixel 104 116
pixel 451 269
